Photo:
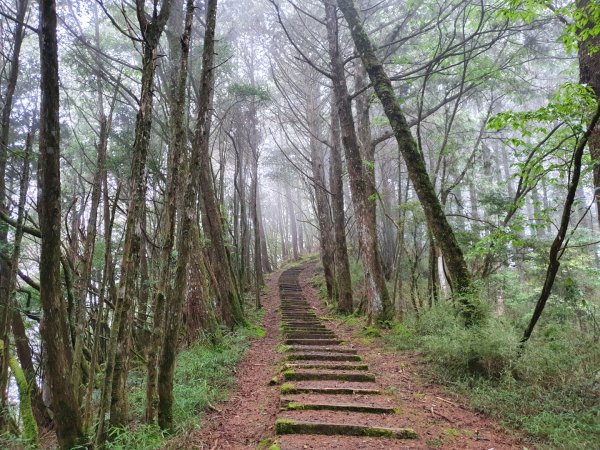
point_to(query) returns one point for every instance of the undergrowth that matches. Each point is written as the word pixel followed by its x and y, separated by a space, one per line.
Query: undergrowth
pixel 204 375
pixel 550 389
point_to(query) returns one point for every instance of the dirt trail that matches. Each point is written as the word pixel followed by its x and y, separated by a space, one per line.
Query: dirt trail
pixel 337 390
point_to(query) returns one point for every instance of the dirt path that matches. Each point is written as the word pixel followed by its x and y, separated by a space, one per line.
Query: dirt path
pixel 249 414
pixel 338 380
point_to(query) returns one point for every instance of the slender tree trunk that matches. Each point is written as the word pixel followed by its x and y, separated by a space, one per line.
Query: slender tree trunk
pixel 264 253
pixel 436 219
pixel 326 239
pixel 229 299
pixel 188 217
pixel 54 328
pixel 558 245
pixel 379 306
pixel 120 340
pixel 178 39
pixel 292 219
pixel 342 265
pixel 5 118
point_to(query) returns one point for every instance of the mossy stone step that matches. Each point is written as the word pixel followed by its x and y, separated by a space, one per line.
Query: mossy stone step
pixel 292 405
pixel 336 365
pixel 309 330
pixel 322 357
pixel 289 426
pixel 304 341
pixel 291 388
pixel 333 349
pixel 308 334
pixel 326 375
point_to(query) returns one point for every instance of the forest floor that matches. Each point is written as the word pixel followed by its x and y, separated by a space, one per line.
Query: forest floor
pixel 247 419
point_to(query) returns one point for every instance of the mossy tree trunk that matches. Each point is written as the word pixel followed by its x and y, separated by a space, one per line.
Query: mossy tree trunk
pixel 54 328
pixel 228 296
pixel 323 209
pixel 120 339
pixel 177 295
pixel 415 163
pixel 5 125
pixel 343 283
pixel 178 37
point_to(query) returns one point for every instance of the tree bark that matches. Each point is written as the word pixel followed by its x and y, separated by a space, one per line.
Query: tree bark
pixel 342 265
pixel 54 328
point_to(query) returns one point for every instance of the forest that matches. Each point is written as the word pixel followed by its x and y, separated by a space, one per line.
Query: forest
pixel 189 188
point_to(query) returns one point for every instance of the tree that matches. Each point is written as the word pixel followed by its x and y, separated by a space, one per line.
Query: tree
pixel 54 328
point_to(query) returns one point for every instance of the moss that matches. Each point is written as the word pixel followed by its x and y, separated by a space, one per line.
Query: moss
pixel 284 426
pixel 452 432
pixel 282 348
pixel 288 388
pixel 296 406
pixel 30 430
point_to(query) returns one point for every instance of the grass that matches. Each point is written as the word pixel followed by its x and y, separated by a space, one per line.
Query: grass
pixel 204 375
pixel 549 390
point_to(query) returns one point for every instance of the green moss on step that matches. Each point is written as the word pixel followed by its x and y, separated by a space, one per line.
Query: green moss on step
pixel 287 388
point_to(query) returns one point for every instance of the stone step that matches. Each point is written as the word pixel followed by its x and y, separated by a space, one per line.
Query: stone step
pixel 327 375
pixel 334 349
pixel 328 388
pixel 304 341
pixel 291 426
pixel 322 357
pixel 334 365
pixel 294 405
pixel 309 335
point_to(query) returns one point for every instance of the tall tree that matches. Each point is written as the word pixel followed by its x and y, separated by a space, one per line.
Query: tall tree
pixel 54 328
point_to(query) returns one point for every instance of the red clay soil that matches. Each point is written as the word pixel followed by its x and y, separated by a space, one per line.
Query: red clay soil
pixel 249 414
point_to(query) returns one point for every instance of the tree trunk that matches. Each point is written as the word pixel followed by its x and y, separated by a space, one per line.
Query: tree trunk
pixel 342 266
pixel 292 218
pixel 7 106
pixel 228 297
pixel 379 306
pixel 324 219
pixel 589 73
pixel 436 219
pixel 54 328
pixel 120 340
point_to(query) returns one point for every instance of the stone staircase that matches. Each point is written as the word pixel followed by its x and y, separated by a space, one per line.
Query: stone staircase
pixel 327 389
